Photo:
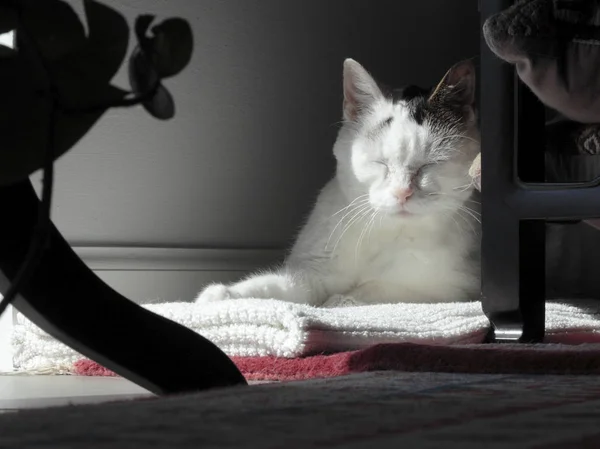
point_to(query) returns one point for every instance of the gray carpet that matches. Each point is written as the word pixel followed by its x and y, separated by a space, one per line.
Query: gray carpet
pixel 373 410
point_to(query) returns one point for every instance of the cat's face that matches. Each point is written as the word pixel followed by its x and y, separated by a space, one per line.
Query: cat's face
pixel 408 151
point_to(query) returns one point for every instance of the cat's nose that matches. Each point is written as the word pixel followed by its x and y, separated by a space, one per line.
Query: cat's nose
pixel 403 194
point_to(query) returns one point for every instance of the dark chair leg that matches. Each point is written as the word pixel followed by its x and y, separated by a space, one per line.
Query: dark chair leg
pixel 513 246
pixel 500 274
pixel 532 275
pixel 500 228
pixel 530 148
pixel 67 300
pixel 513 277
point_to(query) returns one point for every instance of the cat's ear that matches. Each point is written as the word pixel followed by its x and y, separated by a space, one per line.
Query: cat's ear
pixel 360 90
pixel 457 86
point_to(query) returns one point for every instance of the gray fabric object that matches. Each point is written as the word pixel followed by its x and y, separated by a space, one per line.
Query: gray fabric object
pixel 572 155
pixel 555 47
pixel 375 410
pixel 572 250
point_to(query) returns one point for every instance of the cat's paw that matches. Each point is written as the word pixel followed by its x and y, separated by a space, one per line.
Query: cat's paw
pixel 340 301
pixel 214 293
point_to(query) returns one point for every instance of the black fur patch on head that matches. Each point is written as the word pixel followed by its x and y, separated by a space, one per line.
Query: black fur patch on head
pixel 448 112
pixel 409 93
pixel 441 113
pixel 415 99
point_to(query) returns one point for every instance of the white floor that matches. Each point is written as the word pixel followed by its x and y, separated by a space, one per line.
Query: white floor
pixel 21 392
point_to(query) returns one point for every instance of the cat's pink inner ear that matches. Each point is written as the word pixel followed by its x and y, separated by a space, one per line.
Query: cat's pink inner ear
pixel 461 80
pixel 464 71
pixel 462 76
pixel 360 90
pixel 350 112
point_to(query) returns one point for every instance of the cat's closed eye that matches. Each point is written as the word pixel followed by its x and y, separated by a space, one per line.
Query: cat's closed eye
pixel 423 175
pixel 423 168
pixel 384 165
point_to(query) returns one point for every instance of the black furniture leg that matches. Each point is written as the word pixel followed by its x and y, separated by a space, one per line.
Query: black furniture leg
pixel 500 273
pixel 67 300
pixel 513 246
pixel 529 150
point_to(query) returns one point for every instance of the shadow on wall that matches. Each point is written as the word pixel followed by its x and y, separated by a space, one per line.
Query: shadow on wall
pixel 256 117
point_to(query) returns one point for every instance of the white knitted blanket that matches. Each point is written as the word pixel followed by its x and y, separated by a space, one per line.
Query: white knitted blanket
pixel 257 327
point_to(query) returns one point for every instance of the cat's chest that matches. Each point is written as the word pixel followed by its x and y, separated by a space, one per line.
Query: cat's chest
pixel 400 256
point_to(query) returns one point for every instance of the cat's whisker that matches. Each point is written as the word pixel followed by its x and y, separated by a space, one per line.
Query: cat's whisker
pixel 460 229
pixel 372 223
pixel 352 207
pixel 358 242
pixel 464 187
pixel 362 235
pixel 360 199
pixel 357 217
pixel 458 214
pixel 356 211
pixel 356 208
pixel 355 220
pixel 470 212
pixel 452 196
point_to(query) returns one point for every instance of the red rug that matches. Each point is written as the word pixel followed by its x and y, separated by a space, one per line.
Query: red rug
pixel 497 359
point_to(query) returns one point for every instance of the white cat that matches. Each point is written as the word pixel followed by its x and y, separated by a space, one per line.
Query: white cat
pixel 397 222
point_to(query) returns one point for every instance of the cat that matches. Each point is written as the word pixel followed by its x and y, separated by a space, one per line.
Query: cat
pixel 398 221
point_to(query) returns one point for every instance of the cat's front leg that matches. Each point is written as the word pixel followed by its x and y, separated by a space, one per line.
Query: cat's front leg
pixel 378 292
pixel 281 286
pixel 364 294
pixel 214 293
pixel 339 300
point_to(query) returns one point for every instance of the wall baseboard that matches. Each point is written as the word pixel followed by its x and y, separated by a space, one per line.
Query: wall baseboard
pixel 176 259
pixel 172 274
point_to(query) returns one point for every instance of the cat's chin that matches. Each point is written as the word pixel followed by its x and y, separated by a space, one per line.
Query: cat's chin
pixel 400 214
pixel 404 214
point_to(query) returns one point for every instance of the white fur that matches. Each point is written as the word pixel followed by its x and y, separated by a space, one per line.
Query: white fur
pixel 359 245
